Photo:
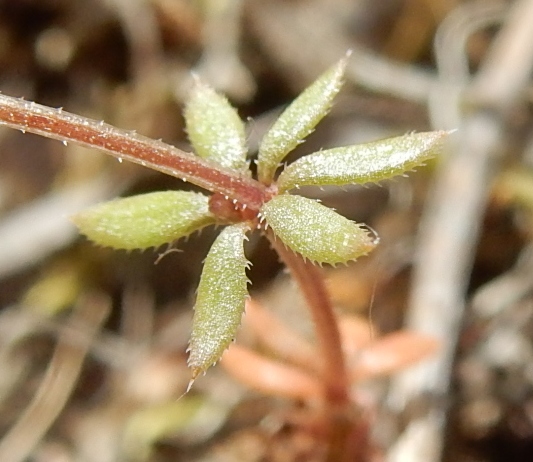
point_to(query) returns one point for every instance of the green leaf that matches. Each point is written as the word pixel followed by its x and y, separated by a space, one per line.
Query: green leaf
pixel 215 129
pixel 298 121
pixel 147 220
pixel 316 232
pixel 363 163
pixel 220 300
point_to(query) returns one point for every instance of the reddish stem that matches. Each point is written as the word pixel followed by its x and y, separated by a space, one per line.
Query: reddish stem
pixel 312 285
pixel 338 407
pixel 64 126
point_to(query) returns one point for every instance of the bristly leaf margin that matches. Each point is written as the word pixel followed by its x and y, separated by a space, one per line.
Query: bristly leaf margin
pixel 363 163
pixel 298 120
pixel 220 299
pixel 316 232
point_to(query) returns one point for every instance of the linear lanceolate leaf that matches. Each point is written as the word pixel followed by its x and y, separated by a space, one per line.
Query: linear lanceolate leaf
pixel 298 121
pixel 220 300
pixel 316 232
pixel 147 220
pixel 363 163
pixel 215 129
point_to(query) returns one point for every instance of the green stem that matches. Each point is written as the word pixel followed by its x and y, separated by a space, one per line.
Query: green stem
pixel 128 145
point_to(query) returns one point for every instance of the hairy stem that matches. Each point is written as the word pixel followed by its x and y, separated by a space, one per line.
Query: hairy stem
pixel 310 281
pixel 128 145
pixel 335 375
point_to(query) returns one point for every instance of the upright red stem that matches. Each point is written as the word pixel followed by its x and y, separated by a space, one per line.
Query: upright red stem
pixel 312 285
pixel 335 375
pixel 128 145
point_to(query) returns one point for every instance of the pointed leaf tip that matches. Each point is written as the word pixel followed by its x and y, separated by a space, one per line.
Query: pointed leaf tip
pixel 215 130
pixel 298 120
pixel 363 163
pixel 147 220
pixel 315 231
pixel 220 299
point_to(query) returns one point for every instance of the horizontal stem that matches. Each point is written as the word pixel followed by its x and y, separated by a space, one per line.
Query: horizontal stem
pixel 64 126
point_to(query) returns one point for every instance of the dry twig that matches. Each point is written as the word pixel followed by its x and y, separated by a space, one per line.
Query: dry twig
pixel 57 385
pixel 450 227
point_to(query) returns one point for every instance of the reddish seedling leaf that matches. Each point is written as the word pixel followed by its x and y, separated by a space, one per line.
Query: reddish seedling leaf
pixel 391 353
pixel 269 376
pixel 356 333
pixel 281 340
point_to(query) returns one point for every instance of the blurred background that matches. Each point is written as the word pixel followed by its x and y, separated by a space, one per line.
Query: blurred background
pixel 92 341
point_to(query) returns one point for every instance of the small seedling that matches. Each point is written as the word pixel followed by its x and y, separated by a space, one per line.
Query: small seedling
pixel 303 232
